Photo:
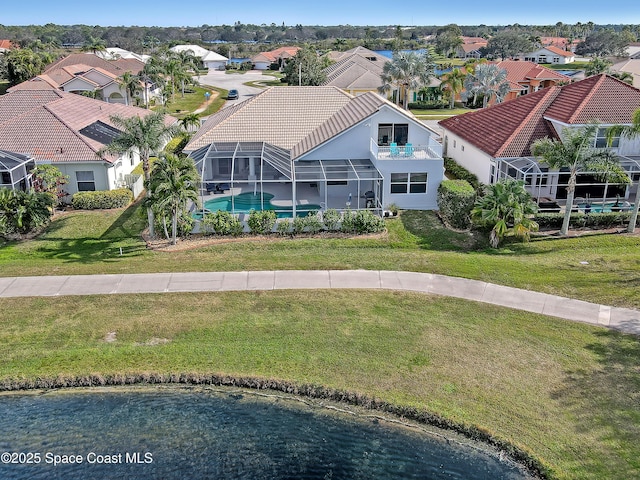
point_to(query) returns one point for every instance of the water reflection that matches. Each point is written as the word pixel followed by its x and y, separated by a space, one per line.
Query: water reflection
pixel 177 433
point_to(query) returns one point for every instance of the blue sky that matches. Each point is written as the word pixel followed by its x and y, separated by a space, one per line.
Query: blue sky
pixel 319 12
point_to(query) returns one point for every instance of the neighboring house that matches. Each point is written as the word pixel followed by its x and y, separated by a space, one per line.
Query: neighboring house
pixel 115 53
pixel 562 43
pixel 359 70
pixel 15 170
pixel 279 57
pixel 320 146
pixel 470 50
pixel 632 67
pixel 67 131
pixel 550 54
pixel 528 77
pixel 633 50
pixel 495 142
pixel 117 67
pixel 356 71
pixel 6 45
pixel 78 79
pixel 210 60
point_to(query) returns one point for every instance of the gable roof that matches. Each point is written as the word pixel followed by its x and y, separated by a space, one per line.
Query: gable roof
pixel 360 69
pixel 59 77
pixel 559 51
pixel 274 55
pixel 46 124
pixel 523 71
pixel 7 45
pixel 117 67
pixel 297 119
pixel 508 129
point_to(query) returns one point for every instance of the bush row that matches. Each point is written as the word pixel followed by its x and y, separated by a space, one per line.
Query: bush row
pixel 102 199
pixel 579 220
pixel 263 222
pixel 456 198
pixel 460 173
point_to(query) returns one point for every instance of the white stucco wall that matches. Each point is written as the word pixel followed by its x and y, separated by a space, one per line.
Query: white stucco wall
pixel 100 175
pixel 356 142
pixel 467 155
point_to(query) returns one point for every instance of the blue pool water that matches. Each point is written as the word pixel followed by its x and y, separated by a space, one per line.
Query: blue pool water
pixel 597 207
pixel 245 202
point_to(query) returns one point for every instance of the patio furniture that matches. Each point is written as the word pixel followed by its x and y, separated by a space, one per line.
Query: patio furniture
pixel 221 187
pixel 408 150
pixel 368 194
pixel 211 187
pixel 394 151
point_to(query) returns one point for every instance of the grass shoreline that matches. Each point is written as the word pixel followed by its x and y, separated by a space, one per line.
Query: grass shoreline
pixel 318 392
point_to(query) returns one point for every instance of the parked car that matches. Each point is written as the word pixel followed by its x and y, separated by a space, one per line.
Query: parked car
pixel 232 95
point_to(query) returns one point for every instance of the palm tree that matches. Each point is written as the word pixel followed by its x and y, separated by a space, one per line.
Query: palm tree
pixel 151 74
pixel 146 136
pixel 174 182
pixel 629 132
pixel 487 80
pixel 94 45
pixel 506 207
pixel 190 122
pixel 454 83
pixel 188 63
pixel 131 84
pixel 406 71
pixel 576 152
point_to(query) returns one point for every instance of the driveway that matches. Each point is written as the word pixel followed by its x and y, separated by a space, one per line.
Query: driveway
pixel 236 80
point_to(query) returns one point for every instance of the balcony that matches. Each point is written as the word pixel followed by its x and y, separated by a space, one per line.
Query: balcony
pixel 406 152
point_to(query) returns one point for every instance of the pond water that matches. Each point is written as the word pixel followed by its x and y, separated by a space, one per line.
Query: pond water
pixel 179 433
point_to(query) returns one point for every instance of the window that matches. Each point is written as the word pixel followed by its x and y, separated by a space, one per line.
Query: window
pixel 454 144
pixel 462 147
pixel 224 166
pixel 86 181
pixel 556 59
pixel 393 132
pixel 6 178
pixel 601 139
pixel 409 182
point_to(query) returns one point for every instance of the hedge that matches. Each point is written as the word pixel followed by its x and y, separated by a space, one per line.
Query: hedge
pixel 460 173
pixel 102 199
pixel 579 220
pixel 456 199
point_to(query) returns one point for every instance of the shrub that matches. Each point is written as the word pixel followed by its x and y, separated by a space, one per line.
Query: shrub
pixel 283 227
pixel 456 198
pixel 553 221
pixel 177 144
pixel 298 225
pixel 21 212
pixel 219 222
pixel 102 199
pixel 262 221
pixel 362 221
pixel 313 223
pixel 460 173
pixel 331 219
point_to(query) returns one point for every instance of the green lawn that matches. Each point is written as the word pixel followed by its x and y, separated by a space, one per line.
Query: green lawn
pixel 565 392
pixel 89 243
pixel 193 100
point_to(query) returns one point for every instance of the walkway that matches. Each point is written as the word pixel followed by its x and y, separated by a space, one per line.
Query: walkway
pixel 623 319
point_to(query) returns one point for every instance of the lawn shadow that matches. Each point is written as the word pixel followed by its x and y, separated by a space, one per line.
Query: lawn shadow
pixel 432 234
pixel 129 224
pixel 606 403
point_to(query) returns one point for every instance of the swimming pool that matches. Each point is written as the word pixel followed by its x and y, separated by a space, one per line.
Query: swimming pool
pixel 597 207
pixel 245 202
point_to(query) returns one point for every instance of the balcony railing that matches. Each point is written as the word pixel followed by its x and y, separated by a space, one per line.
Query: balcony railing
pixel 407 152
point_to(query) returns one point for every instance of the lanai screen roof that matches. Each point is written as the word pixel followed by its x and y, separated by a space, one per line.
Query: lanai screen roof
pixel 335 170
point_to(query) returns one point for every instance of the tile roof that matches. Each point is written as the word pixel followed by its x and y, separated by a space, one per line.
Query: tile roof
pixel 274 55
pixel 298 119
pixel 508 129
pixel 559 51
pixel 45 124
pixel 117 67
pixel 357 70
pixel 281 116
pixel 599 97
pixel 521 72
pixel 471 47
pixel 7 45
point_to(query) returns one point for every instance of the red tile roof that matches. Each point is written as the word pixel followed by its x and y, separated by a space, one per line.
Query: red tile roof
pixel 46 123
pixel 282 52
pixel 559 51
pixel 508 129
pixel 7 44
pixel 523 72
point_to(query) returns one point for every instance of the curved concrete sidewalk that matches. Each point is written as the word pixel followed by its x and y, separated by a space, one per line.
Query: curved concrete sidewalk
pixel 623 319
